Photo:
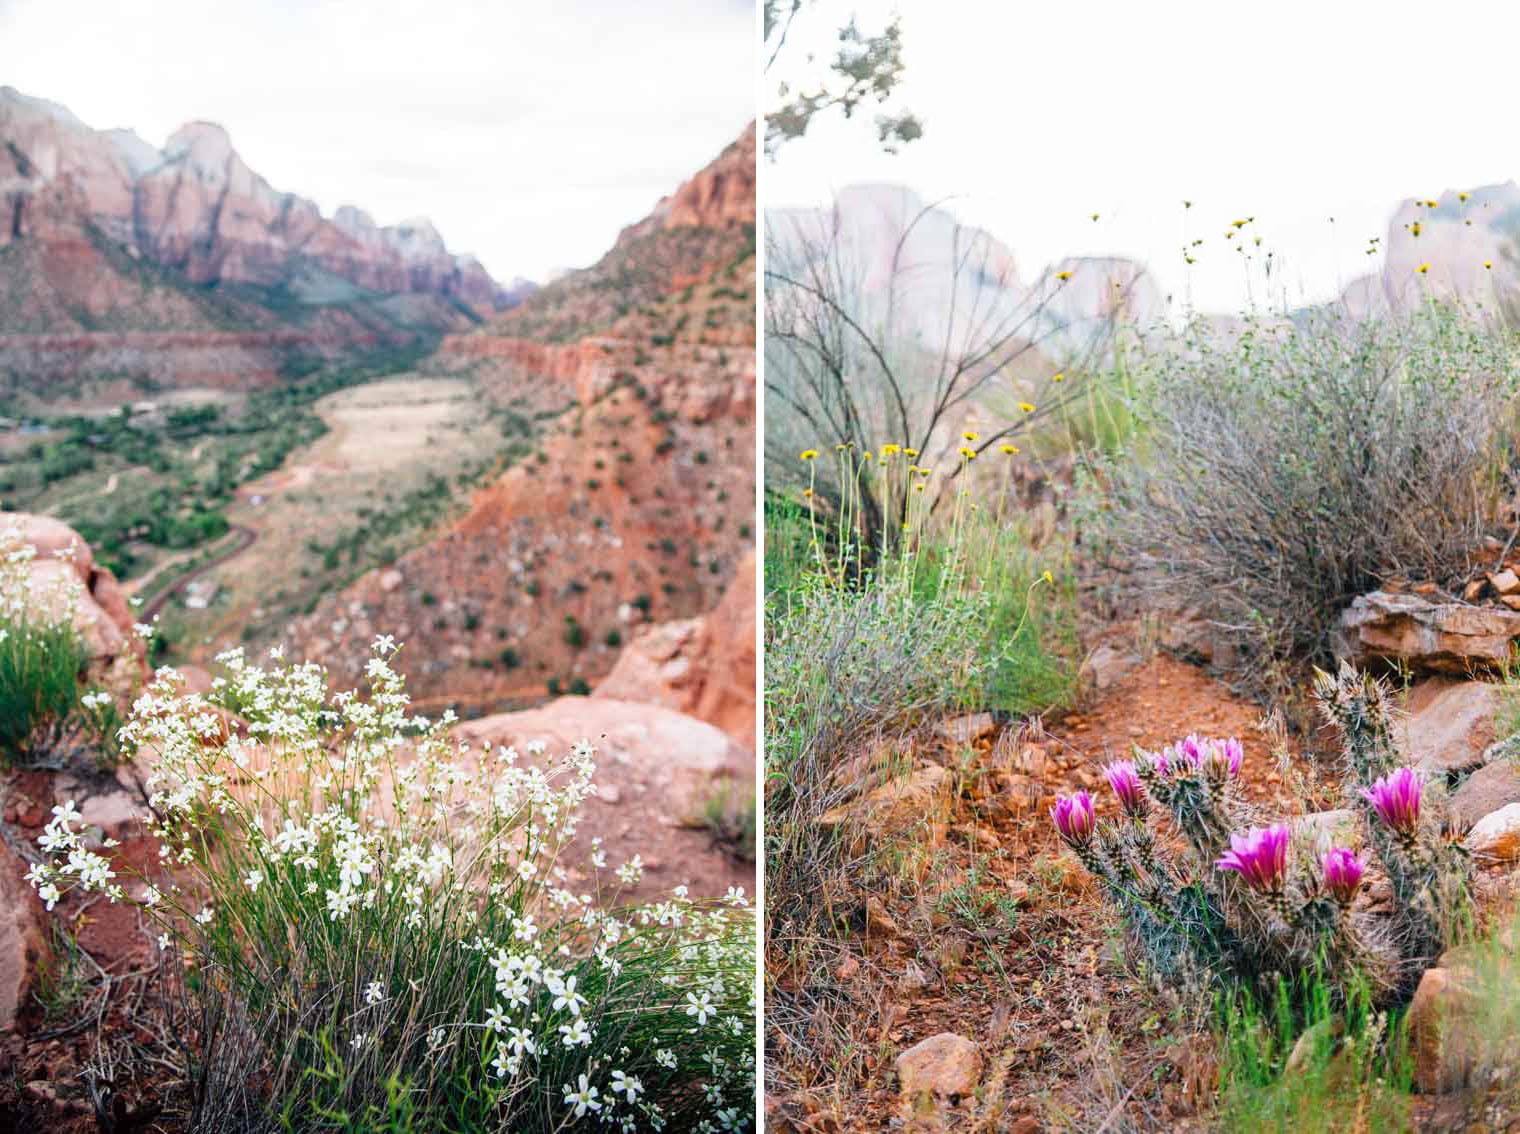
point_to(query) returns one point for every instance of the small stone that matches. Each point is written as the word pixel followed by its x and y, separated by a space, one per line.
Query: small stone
pixel 1490 788
pixel 1450 725
pixel 968 729
pixel 847 969
pixel 1474 590
pixel 879 923
pixel 946 1067
pixel 1329 827
pixel 610 793
pixel 1496 837
pixel 1506 582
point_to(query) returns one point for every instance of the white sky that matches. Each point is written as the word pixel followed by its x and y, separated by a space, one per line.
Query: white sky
pixel 1037 115
pixel 529 133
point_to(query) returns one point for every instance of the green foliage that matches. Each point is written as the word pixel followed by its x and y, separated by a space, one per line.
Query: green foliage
pixel 1351 1070
pixel 46 712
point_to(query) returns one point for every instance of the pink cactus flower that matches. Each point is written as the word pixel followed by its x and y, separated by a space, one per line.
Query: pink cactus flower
pixel 1260 857
pixel 1396 799
pixel 1193 748
pixel 1126 784
pixel 1074 818
pixel 1342 874
pixel 1232 752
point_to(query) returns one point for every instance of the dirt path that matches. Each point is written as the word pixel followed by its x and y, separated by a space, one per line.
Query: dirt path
pixel 246 537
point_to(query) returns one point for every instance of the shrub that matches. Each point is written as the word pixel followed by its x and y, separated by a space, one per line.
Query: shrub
pixel 1250 903
pixel 1285 469
pixel 843 665
pixel 385 911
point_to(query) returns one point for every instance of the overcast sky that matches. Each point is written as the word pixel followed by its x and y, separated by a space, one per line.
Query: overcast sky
pixel 529 133
pixel 1038 115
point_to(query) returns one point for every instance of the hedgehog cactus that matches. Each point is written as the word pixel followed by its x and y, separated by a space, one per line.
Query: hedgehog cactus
pixel 1357 704
pixel 1242 900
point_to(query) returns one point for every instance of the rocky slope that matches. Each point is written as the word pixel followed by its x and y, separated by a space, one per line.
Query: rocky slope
pixel 638 504
pixel 101 233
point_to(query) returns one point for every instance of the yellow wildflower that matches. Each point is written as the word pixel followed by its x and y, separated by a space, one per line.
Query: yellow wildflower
pixel 1058 376
pixel 1010 450
pixel 1026 407
pixel 1488 263
pixel 808 454
pixel 1463 196
pixel 1423 268
pixel 969 454
pixel 1063 276
pixel 969 436
pixel 890 450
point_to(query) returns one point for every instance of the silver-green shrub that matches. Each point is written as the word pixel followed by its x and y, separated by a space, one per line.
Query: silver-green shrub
pixel 1285 467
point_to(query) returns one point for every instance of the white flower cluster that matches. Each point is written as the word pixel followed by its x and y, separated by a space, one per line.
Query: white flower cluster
pixel 302 815
pixel 26 594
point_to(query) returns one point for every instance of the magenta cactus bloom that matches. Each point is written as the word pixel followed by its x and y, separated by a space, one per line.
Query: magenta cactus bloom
pixel 1126 784
pixel 1074 818
pixel 1232 752
pixel 1194 751
pixel 1260 857
pixel 1193 748
pixel 1342 874
pixel 1396 799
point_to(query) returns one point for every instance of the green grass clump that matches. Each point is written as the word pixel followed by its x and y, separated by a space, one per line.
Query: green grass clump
pixel 1299 1064
pixel 48 713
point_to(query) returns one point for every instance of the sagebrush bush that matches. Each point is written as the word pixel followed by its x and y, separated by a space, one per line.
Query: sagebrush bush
pixel 386 914
pixel 48 713
pixel 1251 903
pixel 1283 468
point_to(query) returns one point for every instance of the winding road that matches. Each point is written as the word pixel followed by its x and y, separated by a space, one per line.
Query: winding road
pixel 245 539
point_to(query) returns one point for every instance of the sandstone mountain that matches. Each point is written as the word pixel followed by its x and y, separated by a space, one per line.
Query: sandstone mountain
pixel 1468 242
pixel 637 506
pixel 112 252
pixel 898 252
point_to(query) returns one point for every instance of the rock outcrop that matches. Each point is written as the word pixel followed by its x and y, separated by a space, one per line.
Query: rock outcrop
pixel 1429 637
pixel 702 666
pixel 23 939
pixel 1450 725
pixel 657 771
pixel 103 233
pixel 1445 1020
pixel 63 561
